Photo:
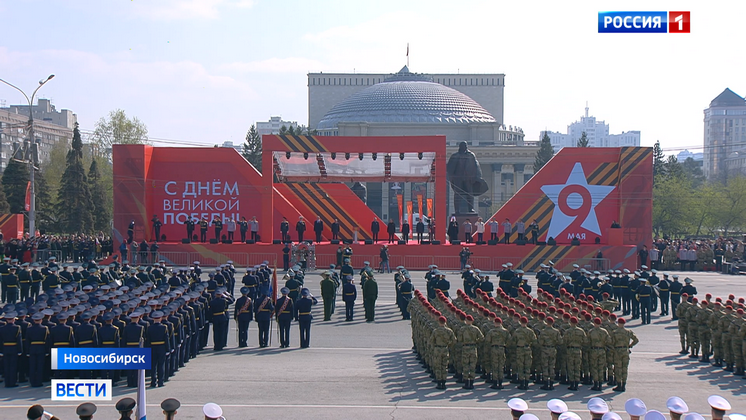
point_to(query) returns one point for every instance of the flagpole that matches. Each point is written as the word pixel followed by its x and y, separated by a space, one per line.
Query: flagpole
pixel 407 54
pixel 141 403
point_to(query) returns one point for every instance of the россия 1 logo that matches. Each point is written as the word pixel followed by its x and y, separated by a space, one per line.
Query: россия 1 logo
pixel 644 22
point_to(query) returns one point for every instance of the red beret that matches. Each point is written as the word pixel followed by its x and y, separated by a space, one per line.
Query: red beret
pixel 597 321
pixel 621 321
pixel 574 320
pixel 469 318
pixel 442 319
pixel 498 320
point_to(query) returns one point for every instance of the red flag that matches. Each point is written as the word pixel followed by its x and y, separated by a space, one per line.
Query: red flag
pixel 409 212
pixel 28 196
pixel 429 207
pixel 419 207
pixel 274 285
pixel 401 212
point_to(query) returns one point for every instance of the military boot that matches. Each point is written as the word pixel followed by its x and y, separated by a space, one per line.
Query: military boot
pixel 466 384
pixel 573 386
pixel 440 385
pixel 547 385
pixel 498 384
pixel 459 378
pixel 611 382
pixel 551 385
pixel 599 386
pixel 729 367
pixel 595 386
pixel 471 384
pixel 523 384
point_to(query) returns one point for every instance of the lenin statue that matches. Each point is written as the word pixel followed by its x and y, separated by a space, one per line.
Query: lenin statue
pixel 465 177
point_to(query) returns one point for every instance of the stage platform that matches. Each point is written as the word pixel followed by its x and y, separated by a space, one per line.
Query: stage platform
pixel 413 256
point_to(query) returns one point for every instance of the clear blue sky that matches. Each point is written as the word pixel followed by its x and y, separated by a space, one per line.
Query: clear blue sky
pixel 202 71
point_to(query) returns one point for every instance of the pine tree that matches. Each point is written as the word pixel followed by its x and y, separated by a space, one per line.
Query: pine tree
pixel 101 215
pixel 45 217
pixel 15 181
pixel 252 148
pixel 4 206
pixel 74 205
pixel 544 154
pixel 583 140
pixel 658 159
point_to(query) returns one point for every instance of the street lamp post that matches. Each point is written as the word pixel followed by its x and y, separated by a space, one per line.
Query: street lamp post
pixel 29 144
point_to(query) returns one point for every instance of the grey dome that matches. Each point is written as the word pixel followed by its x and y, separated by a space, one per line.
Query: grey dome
pixel 407 98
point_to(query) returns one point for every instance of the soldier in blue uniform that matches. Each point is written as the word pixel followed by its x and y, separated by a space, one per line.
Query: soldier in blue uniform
pixel 443 285
pixel 405 295
pixel 625 293
pixel 217 315
pixel 284 309
pixel 304 305
pixel 62 335
pixel 158 341
pixel 664 291
pixel 131 337
pixel 37 343
pixel 108 337
pixel 635 284
pixel 349 295
pixel 10 283
pixel 294 287
pixel 645 295
pixel 263 315
pixel 243 314
pixel 675 289
pixel 11 337
pixel 86 336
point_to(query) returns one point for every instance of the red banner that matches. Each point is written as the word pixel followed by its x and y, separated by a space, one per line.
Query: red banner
pixel 28 196
pixel 419 206
pixel 409 213
pixel 429 202
pixel 401 212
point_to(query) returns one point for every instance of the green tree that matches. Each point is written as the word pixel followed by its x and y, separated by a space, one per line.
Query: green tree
pixel 252 148
pixel 101 207
pixel 583 140
pixel 703 211
pixel 117 128
pixel 672 168
pixel 730 208
pixel 693 170
pixel 46 220
pixel 544 154
pixel 671 206
pixel 15 181
pixel 74 204
pixel 658 159
pixel 4 206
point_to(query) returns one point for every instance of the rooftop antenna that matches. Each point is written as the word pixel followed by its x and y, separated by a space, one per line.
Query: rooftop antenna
pixel 586 109
pixel 407 54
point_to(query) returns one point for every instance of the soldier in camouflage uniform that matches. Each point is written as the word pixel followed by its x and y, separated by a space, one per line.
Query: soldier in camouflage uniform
pixel 469 336
pixel 575 340
pixel 495 340
pixel 622 340
pixel 683 325
pixel 704 316
pixel 726 338
pixel 736 343
pixel 440 340
pixel 523 338
pixel 693 328
pixel 549 339
pixel 599 341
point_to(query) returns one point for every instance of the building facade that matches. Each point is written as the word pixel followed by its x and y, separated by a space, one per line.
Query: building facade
pixel 724 134
pixel 14 131
pixel 596 131
pixel 274 125
pixel 462 107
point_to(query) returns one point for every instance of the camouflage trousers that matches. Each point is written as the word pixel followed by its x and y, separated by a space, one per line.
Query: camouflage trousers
pixel 523 362
pixel 574 359
pixel 547 361
pixel 725 340
pixel 497 365
pixel 737 351
pixel 468 361
pixel 598 363
pixel 683 329
pixel 693 338
pixel 440 363
pixel 621 364
pixel 704 335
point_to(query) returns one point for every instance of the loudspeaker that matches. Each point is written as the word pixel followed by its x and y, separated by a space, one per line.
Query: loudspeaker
pixel 347 241
pixel 213 241
pixel 250 241
pixel 481 243
pixel 436 242
pixel 401 242
pixel 492 242
pixel 551 241
pixel 456 242
pixel 520 242
pixel 425 242
pixel 227 241
pixel 185 241
pixel 540 243
pixel 369 242
pixel 575 242
pixel 335 241
pixel 276 242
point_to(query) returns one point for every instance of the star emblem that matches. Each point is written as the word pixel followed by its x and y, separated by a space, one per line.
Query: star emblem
pixel 574 199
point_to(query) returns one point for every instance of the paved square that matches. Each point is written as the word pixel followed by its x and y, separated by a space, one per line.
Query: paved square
pixel 367 371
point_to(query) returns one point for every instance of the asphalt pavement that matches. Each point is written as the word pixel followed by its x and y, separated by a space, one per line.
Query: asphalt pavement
pixel 367 371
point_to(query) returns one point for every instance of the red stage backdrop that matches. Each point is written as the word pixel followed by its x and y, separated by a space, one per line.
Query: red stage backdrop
pixel 580 192
pixel 11 225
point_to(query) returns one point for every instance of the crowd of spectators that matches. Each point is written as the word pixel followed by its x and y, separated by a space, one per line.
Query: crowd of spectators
pixel 692 254
pixel 66 248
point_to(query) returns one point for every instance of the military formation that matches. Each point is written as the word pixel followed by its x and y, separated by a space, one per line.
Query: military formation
pixel 169 311
pixel 567 334
pixel 713 330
